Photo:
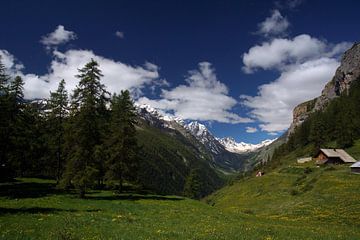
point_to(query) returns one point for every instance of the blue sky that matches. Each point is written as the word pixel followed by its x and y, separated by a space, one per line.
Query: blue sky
pixel 237 66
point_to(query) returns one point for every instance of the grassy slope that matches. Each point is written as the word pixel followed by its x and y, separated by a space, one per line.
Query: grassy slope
pixel 167 159
pixel 258 208
pixel 286 203
pixel 325 200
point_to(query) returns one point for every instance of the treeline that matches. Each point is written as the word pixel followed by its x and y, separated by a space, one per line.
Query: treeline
pixel 82 142
pixel 336 126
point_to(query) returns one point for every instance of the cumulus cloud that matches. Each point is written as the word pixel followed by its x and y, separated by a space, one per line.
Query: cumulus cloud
pixel 281 52
pixel 202 98
pixel 64 65
pixel 12 65
pixel 251 129
pixel 274 25
pixel 57 37
pixel 120 34
pixel 275 101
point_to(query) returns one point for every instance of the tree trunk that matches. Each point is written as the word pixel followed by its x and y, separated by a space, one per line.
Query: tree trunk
pixel 82 192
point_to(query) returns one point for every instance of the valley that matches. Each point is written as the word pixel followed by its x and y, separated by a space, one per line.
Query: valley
pixel 180 120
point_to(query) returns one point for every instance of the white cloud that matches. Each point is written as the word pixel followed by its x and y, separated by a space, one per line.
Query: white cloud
pixel 119 34
pixel 281 52
pixel 57 37
pixel 117 75
pixel 274 25
pixel 12 65
pixel 275 101
pixel 251 129
pixel 203 98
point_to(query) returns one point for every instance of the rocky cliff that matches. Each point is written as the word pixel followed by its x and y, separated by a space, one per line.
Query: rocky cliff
pixel 347 72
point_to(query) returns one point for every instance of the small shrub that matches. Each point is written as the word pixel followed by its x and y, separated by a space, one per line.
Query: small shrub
pixel 294 192
pixel 307 170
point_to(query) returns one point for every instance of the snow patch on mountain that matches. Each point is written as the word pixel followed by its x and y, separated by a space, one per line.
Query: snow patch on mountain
pixel 202 134
pixel 199 131
pixel 232 146
pixel 149 113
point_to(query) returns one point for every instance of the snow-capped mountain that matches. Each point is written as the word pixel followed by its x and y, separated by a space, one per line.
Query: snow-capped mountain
pixel 232 146
pixel 226 154
pixel 156 118
pixel 202 134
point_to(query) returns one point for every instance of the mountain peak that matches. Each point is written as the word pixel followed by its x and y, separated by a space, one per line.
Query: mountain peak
pixel 232 146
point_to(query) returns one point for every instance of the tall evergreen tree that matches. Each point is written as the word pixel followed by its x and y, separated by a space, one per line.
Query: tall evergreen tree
pixel 4 78
pixel 18 126
pixel 122 160
pixel 88 101
pixel 318 130
pixel 58 105
pixel 4 123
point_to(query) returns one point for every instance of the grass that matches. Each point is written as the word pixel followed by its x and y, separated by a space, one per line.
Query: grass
pixel 323 200
pixel 292 201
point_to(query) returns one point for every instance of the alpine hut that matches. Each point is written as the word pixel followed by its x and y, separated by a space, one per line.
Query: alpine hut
pixel 335 156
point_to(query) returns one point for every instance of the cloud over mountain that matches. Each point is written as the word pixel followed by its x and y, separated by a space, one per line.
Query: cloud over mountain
pixel 203 97
pixel 305 65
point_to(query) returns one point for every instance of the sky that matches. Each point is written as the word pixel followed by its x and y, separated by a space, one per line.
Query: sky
pixel 239 67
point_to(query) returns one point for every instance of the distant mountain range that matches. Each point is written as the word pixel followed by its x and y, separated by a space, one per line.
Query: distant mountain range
pixel 202 133
pixel 227 154
pixel 232 146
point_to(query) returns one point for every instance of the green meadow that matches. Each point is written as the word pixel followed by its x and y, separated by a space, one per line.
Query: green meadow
pixel 291 202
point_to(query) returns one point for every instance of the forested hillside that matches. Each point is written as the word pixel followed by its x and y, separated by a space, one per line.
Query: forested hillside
pixel 94 139
pixel 337 126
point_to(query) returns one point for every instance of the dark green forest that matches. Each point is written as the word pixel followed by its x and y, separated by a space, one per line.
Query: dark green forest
pixel 92 139
pixel 337 126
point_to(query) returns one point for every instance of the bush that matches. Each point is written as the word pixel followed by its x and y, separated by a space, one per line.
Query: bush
pixel 307 170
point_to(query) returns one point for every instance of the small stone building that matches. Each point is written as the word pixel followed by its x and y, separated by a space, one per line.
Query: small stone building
pixel 355 168
pixel 304 159
pixel 334 156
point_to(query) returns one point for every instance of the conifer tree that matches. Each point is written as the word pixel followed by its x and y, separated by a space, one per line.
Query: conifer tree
pixel 88 103
pixel 18 126
pixel 4 122
pixel 58 105
pixel 122 160
pixel 318 130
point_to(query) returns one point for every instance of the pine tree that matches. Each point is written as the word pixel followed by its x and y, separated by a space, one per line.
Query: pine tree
pixel 193 186
pixel 4 123
pixel 58 105
pixel 123 150
pixel 318 130
pixel 4 79
pixel 18 127
pixel 88 104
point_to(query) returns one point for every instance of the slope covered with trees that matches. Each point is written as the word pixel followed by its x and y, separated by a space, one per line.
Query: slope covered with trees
pixel 95 140
pixel 337 126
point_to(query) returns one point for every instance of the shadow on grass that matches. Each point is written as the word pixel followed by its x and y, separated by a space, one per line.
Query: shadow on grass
pixel 37 210
pixel 134 197
pixel 28 190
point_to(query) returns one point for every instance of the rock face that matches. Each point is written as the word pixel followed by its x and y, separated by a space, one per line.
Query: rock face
pixel 347 72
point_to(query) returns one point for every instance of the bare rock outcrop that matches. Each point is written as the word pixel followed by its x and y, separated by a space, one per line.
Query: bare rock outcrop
pixel 346 73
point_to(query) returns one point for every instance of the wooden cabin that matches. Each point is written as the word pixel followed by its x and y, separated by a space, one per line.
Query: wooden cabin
pixel 355 168
pixel 333 156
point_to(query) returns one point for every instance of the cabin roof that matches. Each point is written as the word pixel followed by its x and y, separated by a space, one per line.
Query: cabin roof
pixel 356 165
pixel 340 153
